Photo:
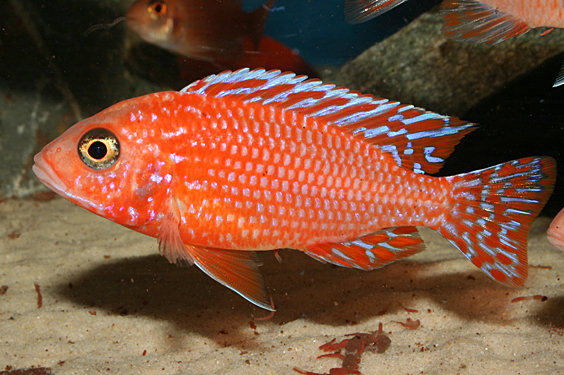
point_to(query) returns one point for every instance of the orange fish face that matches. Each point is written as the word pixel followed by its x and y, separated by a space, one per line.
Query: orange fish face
pixel 100 164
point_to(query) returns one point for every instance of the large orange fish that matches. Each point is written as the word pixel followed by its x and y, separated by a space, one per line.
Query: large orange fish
pixel 216 31
pixel 479 21
pixel 253 160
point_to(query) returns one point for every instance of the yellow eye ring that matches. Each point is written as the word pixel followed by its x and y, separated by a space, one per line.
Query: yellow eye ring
pixel 98 148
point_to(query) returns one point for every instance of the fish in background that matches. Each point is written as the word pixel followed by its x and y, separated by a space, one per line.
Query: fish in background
pixel 555 232
pixel 218 32
pixel 252 160
pixel 477 21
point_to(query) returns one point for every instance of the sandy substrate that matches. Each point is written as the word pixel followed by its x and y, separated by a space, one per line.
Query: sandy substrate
pixel 112 305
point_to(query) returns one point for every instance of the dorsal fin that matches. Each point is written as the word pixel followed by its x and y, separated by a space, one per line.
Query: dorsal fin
pixel 476 22
pixel 358 11
pixel 415 138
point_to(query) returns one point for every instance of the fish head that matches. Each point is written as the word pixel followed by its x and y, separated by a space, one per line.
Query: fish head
pixel 153 20
pixel 108 164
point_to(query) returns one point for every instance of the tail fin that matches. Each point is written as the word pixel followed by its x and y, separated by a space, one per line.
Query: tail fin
pixel 492 212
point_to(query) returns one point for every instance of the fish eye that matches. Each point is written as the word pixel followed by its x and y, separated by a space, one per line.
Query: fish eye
pixel 157 8
pixel 98 148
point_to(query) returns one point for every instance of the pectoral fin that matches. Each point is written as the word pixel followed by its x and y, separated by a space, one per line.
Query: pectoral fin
pixel 236 269
pixel 170 242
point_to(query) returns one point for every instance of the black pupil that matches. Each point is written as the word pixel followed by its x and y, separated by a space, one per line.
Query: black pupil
pixel 158 8
pixel 97 150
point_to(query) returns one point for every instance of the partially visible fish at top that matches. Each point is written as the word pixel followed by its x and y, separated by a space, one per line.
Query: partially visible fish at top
pixel 477 21
pixel 217 31
pixel 256 160
pixel 555 232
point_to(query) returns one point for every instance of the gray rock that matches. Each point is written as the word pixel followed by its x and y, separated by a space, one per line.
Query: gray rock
pixel 419 65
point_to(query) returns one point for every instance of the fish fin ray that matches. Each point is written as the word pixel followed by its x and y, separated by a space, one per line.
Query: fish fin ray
pixel 170 242
pixel 476 22
pixel 372 251
pixel 235 269
pixel 358 11
pixel 415 138
pixel 560 77
pixel 492 212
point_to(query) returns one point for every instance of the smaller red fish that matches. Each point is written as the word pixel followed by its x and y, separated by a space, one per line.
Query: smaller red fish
pixel 555 232
pixel 215 31
pixel 203 29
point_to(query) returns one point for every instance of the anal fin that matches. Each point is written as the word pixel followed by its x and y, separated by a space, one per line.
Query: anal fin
pixel 371 251
pixel 476 22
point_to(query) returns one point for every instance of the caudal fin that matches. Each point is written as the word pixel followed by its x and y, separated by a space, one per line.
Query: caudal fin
pixel 493 211
pixel 476 22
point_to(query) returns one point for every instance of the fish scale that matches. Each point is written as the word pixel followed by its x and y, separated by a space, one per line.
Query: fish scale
pixel 255 160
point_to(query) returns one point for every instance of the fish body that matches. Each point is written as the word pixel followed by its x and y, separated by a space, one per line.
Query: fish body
pixel 555 232
pixel 252 160
pixel 478 21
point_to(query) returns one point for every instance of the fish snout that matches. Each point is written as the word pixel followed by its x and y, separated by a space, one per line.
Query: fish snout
pixel 47 175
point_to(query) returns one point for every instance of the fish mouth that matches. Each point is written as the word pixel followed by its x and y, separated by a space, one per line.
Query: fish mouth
pixel 47 175
pixel 556 239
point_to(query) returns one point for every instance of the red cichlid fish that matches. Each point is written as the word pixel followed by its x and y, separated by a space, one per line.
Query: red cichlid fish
pixel 205 29
pixel 216 31
pixel 252 160
pixel 555 232
pixel 478 21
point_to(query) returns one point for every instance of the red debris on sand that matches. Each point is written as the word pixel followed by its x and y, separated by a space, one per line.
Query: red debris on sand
pixel 408 309
pixel 39 296
pixel 410 324
pixel 536 296
pixel 376 341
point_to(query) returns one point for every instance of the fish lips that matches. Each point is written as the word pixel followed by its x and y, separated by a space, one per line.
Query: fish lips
pixel 47 175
